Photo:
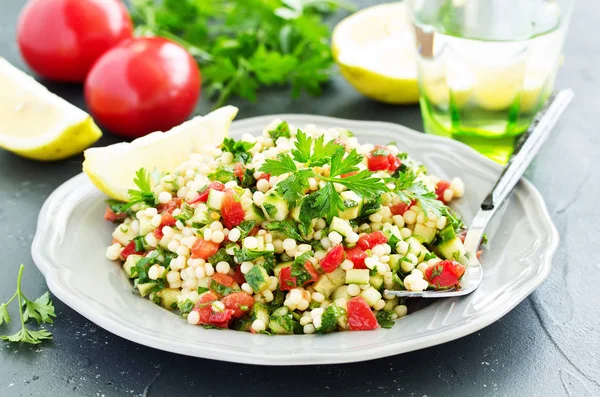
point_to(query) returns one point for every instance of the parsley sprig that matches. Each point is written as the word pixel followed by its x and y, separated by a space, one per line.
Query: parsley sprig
pixel 325 202
pixel 41 309
pixel 144 194
pixel 409 189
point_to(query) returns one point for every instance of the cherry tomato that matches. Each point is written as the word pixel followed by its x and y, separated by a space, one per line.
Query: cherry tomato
pixel 360 316
pixel 440 188
pixel 286 281
pixel 239 171
pixel 170 206
pixel 333 259
pixel 368 241
pixel 239 302
pixel 204 249
pixel 62 39
pixel 130 250
pixel 378 163
pixel 401 208
pixel 232 211
pixel 210 317
pixel 445 274
pixel 109 215
pixel 143 85
pixel 166 220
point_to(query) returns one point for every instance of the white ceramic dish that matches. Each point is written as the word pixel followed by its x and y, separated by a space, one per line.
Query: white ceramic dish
pixel 72 236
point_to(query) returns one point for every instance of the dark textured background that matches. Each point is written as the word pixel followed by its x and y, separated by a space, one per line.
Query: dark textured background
pixel 549 345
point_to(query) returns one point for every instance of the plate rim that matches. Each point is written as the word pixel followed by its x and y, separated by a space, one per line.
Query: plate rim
pixel 311 358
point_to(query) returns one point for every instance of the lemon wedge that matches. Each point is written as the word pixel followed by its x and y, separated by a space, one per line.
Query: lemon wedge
pixel 37 124
pixel 112 168
pixel 374 49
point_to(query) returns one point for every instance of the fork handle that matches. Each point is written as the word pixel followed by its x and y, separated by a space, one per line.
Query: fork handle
pixel 527 147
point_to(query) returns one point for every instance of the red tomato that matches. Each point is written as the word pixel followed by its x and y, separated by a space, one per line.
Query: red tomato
pixel 440 188
pixel 264 176
pixel 170 206
pixel 203 197
pixel 445 274
pixel 166 220
pixel 286 281
pixel 239 171
pixel 333 259
pixel 210 317
pixel 368 241
pixel 239 276
pixel 360 316
pixel 61 39
pixel 130 250
pixel 357 256
pixel 204 249
pixel 109 215
pixel 238 301
pixel 394 162
pixel 401 208
pixel 232 211
pixel 311 270
pixel 143 85
pixel 378 163
pixel 223 279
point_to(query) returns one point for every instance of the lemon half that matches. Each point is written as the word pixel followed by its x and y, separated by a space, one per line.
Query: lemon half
pixel 37 124
pixel 374 49
pixel 112 168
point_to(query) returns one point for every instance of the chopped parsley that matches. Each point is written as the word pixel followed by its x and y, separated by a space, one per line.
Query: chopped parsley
pixel 384 318
pixel 288 228
pixel 144 195
pixel 299 270
pixel 282 130
pixel 239 149
pixel 329 318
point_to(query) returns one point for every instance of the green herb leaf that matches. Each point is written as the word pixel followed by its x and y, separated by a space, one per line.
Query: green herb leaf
pixel 282 130
pixel 186 306
pixel 384 318
pixel 145 194
pixel 245 228
pixel 4 315
pixel 245 255
pixel 283 165
pixel 42 309
pixel 187 212
pixel 293 188
pixel 299 270
pixel 329 318
pixel 222 174
pixel 239 149
pixel 28 336
pixel 288 228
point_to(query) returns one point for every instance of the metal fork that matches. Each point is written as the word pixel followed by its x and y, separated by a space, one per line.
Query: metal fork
pixel 525 150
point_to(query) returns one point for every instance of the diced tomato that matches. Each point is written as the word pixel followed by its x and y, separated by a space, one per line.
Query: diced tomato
pixel 440 188
pixel 254 230
pixel 239 302
pixel 360 316
pixel 394 162
pixel 478 254
pixel 445 274
pixel 209 316
pixel 130 250
pixel 204 249
pixel 166 220
pixel 378 163
pixel 170 206
pixel 286 281
pixel 311 270
pixel 348 174
pixel 357 256
pixel 333 259
pixel 264 176
pixel 462 236
pixel 239 171
pixel 109 215
pixel 231 210
pixel 239 276
pixel 401 208
pixel 223 279
pixel 368 241
pixel 203 196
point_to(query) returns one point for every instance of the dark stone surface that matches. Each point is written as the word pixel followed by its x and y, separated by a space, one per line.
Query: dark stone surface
pixel 549 345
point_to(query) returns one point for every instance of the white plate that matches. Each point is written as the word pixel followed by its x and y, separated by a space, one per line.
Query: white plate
pixel 72 236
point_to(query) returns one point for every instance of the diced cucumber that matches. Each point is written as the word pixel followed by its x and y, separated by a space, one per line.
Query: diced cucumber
pixel 258 278
pixel 275 207
pixel 277 269
pixel 371 296
pixel 215 199
pixel 416 248
pixel 340 225
pixel 345 134
pixel 201 215
pixel 337 277
pixel 260 312
pixel 452 249
pixel 390 230
pixel 282 322
pixel 126 232
pixel 341 293
pixel 447 234
pixel 145 288
pixel 254 213
pixel 390 304
pixel 260 246
pixel 145 225
pixel 203 282
pixel 424 233
pixel 353 204
pixel 168 297
pixel 129 264
pixel 357 276
pixel 376 281
pixel 324 286
pixel 394 262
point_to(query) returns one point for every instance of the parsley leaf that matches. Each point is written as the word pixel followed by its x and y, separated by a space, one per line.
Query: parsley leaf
pixel 187 211
pixel 341 165
pixel 282 130
pixel 245 228
pixel 283 165
pixel 4 316
pixel 26 335
pixel 239 149
pixel 292 188
pixel 144 195
pixel 288 228
pixel 299 270
pixel 42 309
pixel 384 318
pixel 329 318
pixel 245 255
pixel 222 174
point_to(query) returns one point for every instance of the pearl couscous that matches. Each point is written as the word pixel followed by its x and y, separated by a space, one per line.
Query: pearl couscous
pixel 294 231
